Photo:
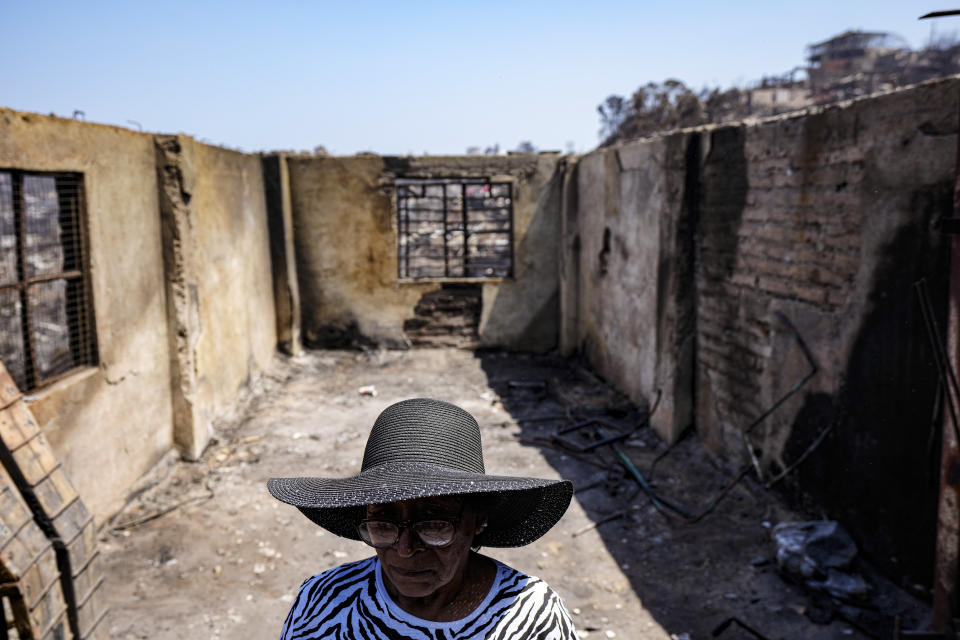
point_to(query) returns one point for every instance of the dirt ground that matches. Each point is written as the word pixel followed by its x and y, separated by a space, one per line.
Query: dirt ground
pixel 203 551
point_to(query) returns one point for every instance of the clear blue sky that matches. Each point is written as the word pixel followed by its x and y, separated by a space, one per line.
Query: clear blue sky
pixel 402 77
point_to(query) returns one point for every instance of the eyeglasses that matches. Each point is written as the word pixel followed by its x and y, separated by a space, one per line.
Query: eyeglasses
pixel 435 532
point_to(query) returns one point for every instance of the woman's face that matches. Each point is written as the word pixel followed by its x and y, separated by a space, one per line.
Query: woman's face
pixel 414 569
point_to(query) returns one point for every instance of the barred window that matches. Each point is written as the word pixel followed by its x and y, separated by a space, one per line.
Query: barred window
pixel 454 228
pixel 46 327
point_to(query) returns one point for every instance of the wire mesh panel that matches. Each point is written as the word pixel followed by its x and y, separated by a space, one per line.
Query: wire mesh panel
pixel 8 232
pixel 13 352
pixel 49 327
pixel 46 327
pixel 454 228
pixel 44 248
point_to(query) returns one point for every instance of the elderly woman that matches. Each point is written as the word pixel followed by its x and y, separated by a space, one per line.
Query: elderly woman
pixel 424 503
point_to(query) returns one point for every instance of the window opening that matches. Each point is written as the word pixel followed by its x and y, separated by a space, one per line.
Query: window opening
pixel 454 228
pixel 46 327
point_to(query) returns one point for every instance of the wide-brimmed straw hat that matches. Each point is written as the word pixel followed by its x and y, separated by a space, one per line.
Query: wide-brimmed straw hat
pixel 422 448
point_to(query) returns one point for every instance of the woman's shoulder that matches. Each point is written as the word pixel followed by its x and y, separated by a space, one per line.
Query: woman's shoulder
pixel 320 598
pixel 506 573
pixel 528 604
pixel 347 573
pixel 510 579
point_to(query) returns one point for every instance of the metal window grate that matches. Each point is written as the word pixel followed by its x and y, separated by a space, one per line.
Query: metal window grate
pixel 454 228
pixel 46 326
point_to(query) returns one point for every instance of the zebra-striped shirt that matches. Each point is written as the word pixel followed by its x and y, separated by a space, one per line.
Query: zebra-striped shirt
pixel 350 602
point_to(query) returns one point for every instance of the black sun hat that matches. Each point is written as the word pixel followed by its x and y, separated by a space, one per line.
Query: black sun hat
pixel 423 448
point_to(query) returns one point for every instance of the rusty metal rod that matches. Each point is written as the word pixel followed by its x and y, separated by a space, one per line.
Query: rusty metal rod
pixel 662 505
pixel 663 454
pixel 597 523
pixel 543 442
pixel 813 371
pixel 723 626
pixel 947 377
pixel 558 416
pixel 803 456
pixel 575 426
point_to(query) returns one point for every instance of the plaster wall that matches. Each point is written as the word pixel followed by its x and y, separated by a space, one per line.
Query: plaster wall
pixel 627 272
pixel 346 249
pixel 108 424
pixel 237 335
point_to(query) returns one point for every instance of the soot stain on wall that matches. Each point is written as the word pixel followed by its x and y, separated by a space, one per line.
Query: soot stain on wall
pixel 725 187
pixel 604 256
pixel 345 334
pixel 685 295
pixel 877 472
pixel 722 199
pixel 449 316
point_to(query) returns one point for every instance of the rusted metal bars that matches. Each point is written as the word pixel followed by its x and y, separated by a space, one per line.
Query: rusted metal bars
pixel 668 509
pixel 948 378
pixel 665 507
pixel 406 236
pixel 446 232
pixel 67 232
pixel 463 215
pixel 43 277
pixel 87 325
pixel 511 238
pixel 398 195
pixel 484 259
pixel 604 439
pixel 723 626
pixel 813 371
pixel 662 505
pixel 19 217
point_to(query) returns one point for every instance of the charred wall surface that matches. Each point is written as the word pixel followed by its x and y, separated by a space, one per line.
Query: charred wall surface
pixel 218 279
pixel 276 185
pixel 447 317
pixel 758 279
pixel 830 223
pixel 804 235
pixel 180 282
pixel 628 272
pixel 345 233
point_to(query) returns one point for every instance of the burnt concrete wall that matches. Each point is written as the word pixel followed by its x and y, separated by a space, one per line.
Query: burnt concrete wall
pixel 345 238
pixel 286 292
pixel 627 277
pixel 237 318
pixel 220 303
pixel 701 264
pixel 696 267
pixel 107 424
pixel 180 274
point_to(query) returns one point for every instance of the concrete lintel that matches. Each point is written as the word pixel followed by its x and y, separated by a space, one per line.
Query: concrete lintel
pixel 176 180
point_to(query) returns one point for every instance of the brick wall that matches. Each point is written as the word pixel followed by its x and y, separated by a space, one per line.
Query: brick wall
pixel 827 218
pixel 788 222
pixel 807 230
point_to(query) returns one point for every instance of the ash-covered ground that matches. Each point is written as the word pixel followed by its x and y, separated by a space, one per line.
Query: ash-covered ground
pixel 203 551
